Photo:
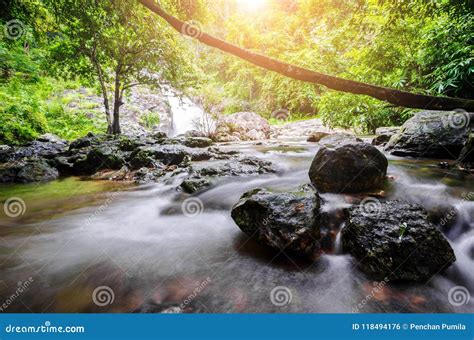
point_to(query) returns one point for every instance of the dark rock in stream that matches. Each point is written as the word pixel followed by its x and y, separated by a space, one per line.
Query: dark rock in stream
pixel 338 139
pixel 284 221
pixel 36 170
pixel 396 242
pixel 193 185
pixel 432 134
pixel 99 158
pixel 383 135
pixel 348 168
pixel 198 142
pixel 466 158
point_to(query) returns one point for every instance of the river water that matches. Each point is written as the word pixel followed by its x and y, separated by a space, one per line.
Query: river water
pixel 76 237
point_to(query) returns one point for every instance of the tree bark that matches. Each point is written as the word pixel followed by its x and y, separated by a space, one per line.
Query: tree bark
pixel 117 103
pixel 105 95
pixel 393 96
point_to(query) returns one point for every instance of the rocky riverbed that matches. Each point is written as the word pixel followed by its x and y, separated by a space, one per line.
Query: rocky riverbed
pixel 154 218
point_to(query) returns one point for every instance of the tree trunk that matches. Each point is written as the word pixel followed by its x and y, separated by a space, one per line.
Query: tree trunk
pixel 105 95
pixel 396 97
pixel 117 104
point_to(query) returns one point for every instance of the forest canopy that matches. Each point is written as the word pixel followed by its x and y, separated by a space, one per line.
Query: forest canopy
pixel 418 46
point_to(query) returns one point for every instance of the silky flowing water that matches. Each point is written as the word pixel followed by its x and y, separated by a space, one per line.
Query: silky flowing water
pixel 76 236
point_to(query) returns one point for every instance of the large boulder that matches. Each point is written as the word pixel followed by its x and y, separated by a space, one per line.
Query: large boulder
pixel 99 158
pixel 242 126
pixel 432 134
pixel 27 171
pixel 283 221
pixel 348 168
pixel 396 241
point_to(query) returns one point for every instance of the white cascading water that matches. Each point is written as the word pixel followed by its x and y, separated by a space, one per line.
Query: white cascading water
pixel 186 113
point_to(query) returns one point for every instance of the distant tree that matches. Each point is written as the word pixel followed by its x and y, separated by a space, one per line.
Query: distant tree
pixel 120 45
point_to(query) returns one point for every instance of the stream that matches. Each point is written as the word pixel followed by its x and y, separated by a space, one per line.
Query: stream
pixel 76 236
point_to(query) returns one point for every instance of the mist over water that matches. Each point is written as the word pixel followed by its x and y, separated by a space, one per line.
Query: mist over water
pixel 150 253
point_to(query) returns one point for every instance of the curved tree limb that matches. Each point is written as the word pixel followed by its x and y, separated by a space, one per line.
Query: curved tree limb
pixel 393 96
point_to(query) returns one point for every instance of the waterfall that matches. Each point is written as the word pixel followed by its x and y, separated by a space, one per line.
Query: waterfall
pixel 186 114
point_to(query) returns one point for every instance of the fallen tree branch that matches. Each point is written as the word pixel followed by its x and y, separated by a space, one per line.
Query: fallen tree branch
pixel 393 96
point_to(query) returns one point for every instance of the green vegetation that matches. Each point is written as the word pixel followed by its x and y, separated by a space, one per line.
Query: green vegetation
pixel 107 47
pixel 150 120
pixel 418 46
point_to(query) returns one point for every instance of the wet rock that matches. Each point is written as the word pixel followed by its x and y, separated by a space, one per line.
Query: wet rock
pixel 340 138
pixel 89 140
pixel 37 149
pixel 396 242
pixel 147 175
pixel 169 154
pixel 242 126
pixel 315 137
pixel 432 134
pixel 159 136
pixel 99 158
pixel 130 144
pixel 27 170
pixel 348 168
pixel 5 152
pixel 198 142
pixel 383 135
pixel 193 185
pixel 141 158
pixel 284 221
pixel 466 158
pixel 236 167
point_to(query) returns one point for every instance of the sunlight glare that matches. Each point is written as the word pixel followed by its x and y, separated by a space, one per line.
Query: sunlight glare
pixel 252 5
